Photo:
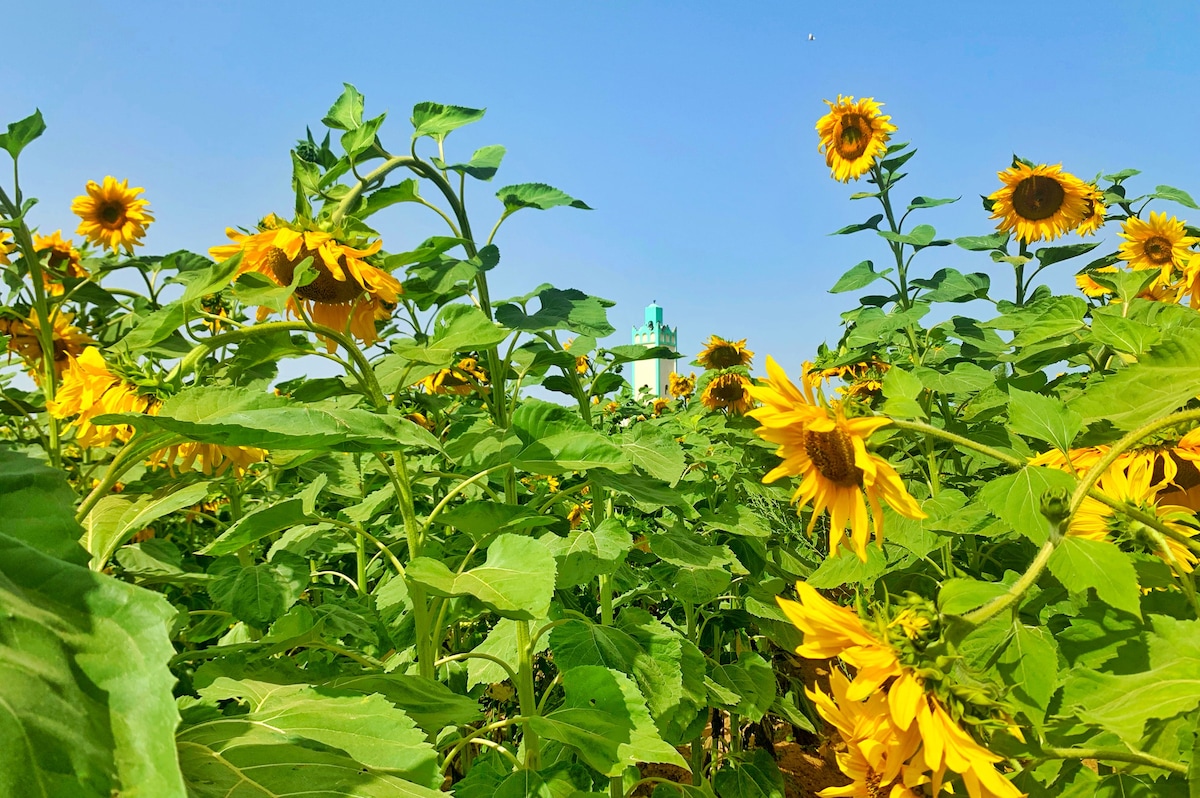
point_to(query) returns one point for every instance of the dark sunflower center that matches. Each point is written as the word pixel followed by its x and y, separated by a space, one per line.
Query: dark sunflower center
pixel 112 213
pixel 833 454
pixel 854 137
pixel 1158 250
pixel 1187 476
pixel 729 391
pixel 725 356
pixel 1038 197
pixel 873 779
pixel 325 289
pixel 1089 209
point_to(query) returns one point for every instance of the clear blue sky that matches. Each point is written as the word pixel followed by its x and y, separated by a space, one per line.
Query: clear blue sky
pixel 687 126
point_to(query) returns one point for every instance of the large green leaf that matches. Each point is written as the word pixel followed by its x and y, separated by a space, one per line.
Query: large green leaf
pixel 431 704
pixel 37 507
pixel 483 164
pixel 655 451
pixel 536 195
pixel 119 517
pixel 568 309
pixel 758 778
pixel 258 594
pixel 1043 417
pixel 1016 499
pixel 22 132
pixel 436 120
pixel 1080 564
pixel 1123 704
pixel 751 680
pixel 1161 381
pixel 516 580
pixel 298 739
pixel 557 440
pixel 458 328
pixel 858 276
pixel 605 720
pixel 267 520
pixel 85 693
pixel 587 553
pixel 244 417
pixel 1030 664
pixel 346 112
pixel 500 642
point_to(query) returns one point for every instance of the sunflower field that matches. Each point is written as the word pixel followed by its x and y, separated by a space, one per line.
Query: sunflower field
pixel 952 552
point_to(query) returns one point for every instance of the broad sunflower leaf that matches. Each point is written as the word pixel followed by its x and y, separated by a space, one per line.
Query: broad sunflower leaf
pixel 536 195
pixel 458 328
pixel 951 285
pixel 1163 380
pixel 758 778
pixel 1030 664
pixel 982 243
pixel 481 519
pixel 557 440
pixel 119 517
pixel 1045 418
pixel 260 593
pixel 1080 564
pixel 1051 255
pixel 751 679
pixel 360 139
pixel 515 581
pixel 655 451
pixel 86 708
pixel 433 705
pixel 267 520
pixel 483 164
pixel 587 553
pixel 436 120
pixel 605 720
pixel 901 389
pixel 1016 499
pixel 500 642
pixel 405 191
pixel 568 309
pixel 22 132
pixel 303 739
pixel 36 506
pixel 628 353
pixel 1175 195
pixel 858 276
pixel 869 224
pixel 346 111
pixel 1123 334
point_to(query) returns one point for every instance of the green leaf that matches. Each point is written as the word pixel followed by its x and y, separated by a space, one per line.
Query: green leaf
pixel 22 132
pixel 1080 564
pixel 901 390
pixel 1123 704
pixel 752 680
pixel 407 190
pixel 1175 195
pixel 605 720
pixel 360 139
pixel 515 581
pixel 587 553
pixel 858 276
pixel 1030 664
pixel 458 328
pixel 982 243
pixel 930 202
pixel 86 709
pixel 920 236
pixel 845 568
pixel 483 164
pixel 951 285
pixel 869 224
pixel 119 517
pixel 436 120
pixel 758 778
pixel 37 507
pixel 481 519
pixel 960 596
pixel 245 417
pixel 258 594
pixel 964 378
pixel 557 440
pixel 560 310
pixel 267 520
pixel 1051 255
pixel 1016 499
pixel 1160 382
pixel 1122 334
pixel 346 112
pixel 298 739
pixel 536 195
pixel 500 642
pixel 1045 418
pixel 649 493
pixel 209 279
pixel 430 703
pixel 655 451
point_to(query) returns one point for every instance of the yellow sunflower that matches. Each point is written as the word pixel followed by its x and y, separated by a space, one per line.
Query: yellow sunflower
pixel 1040 202
pixel 459 381
pixel 69 341
pixel 611 407
pixel 1134 486
pixel 1159 243
pixel 577 512
pixel 660 405
pixel 680 386
pixel 1093 211
pixel 1172 466
pixel 728 392
pixel 90 389
pixel 829 452
pixel 348 292
pixel 581 364
pixel 853 135
pixel 213 459
pixel 721 354
pixel 864 379
pixel 112 215
pixel 7 247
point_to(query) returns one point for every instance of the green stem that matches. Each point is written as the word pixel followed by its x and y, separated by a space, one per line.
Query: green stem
pixel 1115 755
pixel 1000 603
pixel 938 432
pixel 526 695
pixel 478 655
pixel 360 555
pixel 606 600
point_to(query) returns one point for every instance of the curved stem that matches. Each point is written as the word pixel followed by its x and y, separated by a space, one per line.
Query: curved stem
pixel 938 432
pixel 456 490
pixel 1000 603
pixel 478 655
pixel 1115 755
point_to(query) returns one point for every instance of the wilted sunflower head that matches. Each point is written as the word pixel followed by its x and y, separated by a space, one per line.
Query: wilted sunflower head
pixel 577 512
pixel 90 389
pixel 211 458
pixel 347 291
pixel 23 340
pixel 1158 243
pixel 719 353
pixel 1039 202
pixel 729 391
pixel 853 135
pixel 63 261
pixel 680 386
pixel 111 214
pixel 661 405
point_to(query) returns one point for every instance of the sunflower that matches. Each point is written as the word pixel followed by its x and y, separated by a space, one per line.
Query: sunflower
pixel 864 379
pixel 721 354
pixel 1159 243
pixel 581 364
pixel 460 380
pixel 212 458
pixel 1040 202
pixel 550 480
pixel 420 419
pixel 828 451
pixel 1134 486
pixel 69 340
pixel 90 389
pixel 660 405
pixel 1173 466
pixel 611 407
pixel 853 135
pixel 348 292
pixel 575 516
pixel 730 391
pixel 1093 211
pixel 63 261
pixel 7 247
pixel 112 215
pixel 680 386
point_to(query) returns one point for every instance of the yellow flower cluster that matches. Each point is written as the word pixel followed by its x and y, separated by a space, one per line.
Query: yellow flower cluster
pixel 900 739
pixel 459 380
pixel 680 386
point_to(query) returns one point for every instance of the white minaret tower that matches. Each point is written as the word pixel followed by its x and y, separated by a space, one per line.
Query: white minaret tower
pixel 654 374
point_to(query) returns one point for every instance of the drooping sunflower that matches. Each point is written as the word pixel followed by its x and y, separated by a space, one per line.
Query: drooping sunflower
pixel 828 451
pixel 348 292
pixel 69 340
pixel 212 459
pixel 1094 211
pixel 7 247
pixel 582 363
pixel 864 379
pixel 459 381
pixel 661 405
pixel 112 215
pixel 1134 486
pixel 721 354
pixel 90 389
pixel 577 512
pixel 63 261
pixel 1040 202
pixel 680 386
pixel 853 135
pixel 1159 243
pixel 730 391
